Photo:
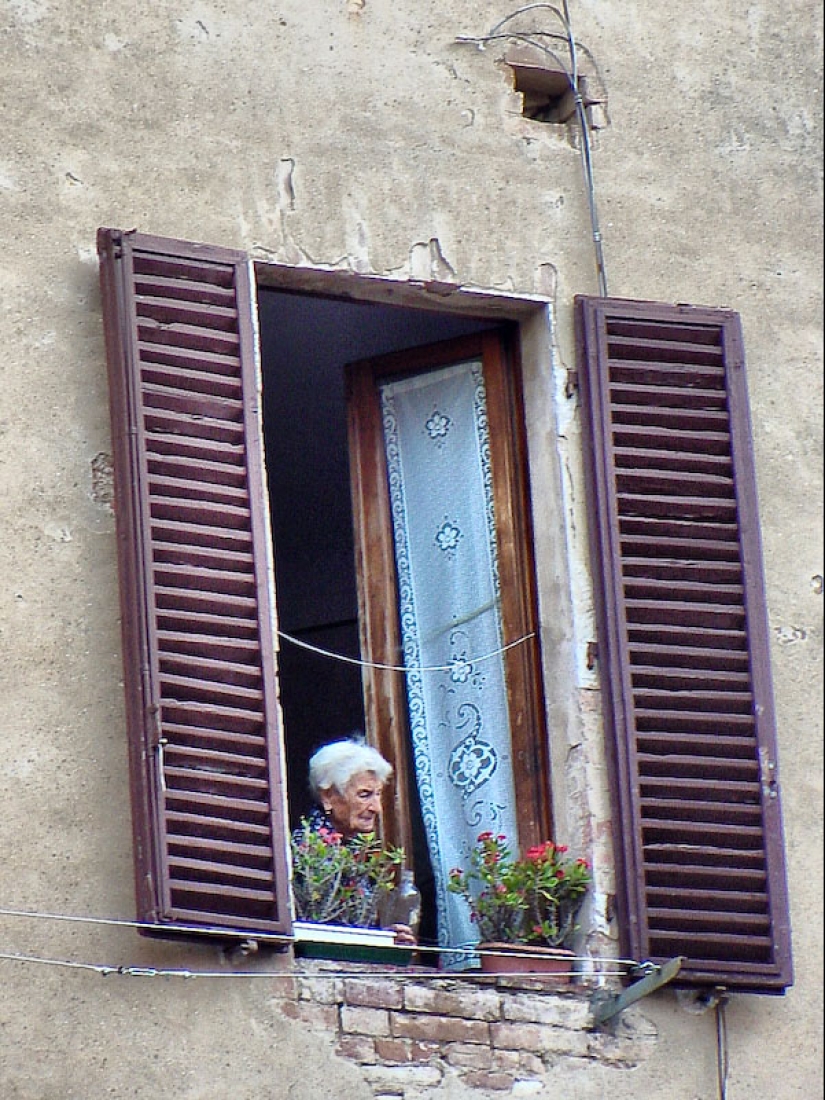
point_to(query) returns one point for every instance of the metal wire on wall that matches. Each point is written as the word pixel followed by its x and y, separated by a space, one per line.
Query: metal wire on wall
pixel 569 65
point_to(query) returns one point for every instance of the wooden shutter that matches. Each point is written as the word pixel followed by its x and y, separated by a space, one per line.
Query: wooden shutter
pixel 196 602
pixel 683 642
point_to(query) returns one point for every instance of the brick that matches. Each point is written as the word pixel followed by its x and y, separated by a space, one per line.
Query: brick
pixel 405 1050
pixel 538 1039
pixel 530 1063
pixel 494 1082
pixel 325 1016
pixel 325 991
pixel 470 1004
pixel 557 1011
pixel 506 1059
pixel 516 1036
pixel 374 994
pixel 365 1021
pixel 560 1041
pixel 439 1029
pixel 622 1049
pixel 358 1048
pixel 469 1055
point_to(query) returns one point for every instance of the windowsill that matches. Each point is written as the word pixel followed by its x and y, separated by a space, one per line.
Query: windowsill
pixel 348 944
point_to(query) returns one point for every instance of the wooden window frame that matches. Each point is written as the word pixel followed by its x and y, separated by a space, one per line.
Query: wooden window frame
pixel 384 690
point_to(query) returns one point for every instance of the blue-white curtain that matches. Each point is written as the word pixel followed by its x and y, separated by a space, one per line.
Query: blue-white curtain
pixel 438 457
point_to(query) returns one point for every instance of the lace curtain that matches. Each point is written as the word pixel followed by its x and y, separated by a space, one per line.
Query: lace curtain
pixel 438 457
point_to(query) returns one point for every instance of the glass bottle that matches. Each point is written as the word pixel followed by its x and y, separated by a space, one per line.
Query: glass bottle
pixel 402 905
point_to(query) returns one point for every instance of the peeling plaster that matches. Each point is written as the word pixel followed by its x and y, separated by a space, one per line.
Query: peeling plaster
pixel 427 262
pixel 103 487
pixel 286 190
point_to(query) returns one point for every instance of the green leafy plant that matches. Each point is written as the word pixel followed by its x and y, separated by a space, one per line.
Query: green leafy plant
pixel 532 900
pixel 334 882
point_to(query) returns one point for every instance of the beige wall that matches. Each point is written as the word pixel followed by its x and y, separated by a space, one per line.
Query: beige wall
pixel 354 133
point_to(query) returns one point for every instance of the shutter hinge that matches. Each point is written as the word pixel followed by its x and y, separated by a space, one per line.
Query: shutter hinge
pixel 153 710
pixel 591 655
pixel 572 384
pixel 767 774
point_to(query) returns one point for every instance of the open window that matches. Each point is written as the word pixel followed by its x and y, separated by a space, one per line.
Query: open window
pixel 682 640
pixel 218 778
pixel 341 657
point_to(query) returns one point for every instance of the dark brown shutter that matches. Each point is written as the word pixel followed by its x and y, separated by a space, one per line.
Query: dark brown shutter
pixel 683 642
pixel 195 585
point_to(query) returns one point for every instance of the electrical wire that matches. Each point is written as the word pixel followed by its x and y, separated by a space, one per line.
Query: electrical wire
pixel 722 1055
pixel 572 74
pixel 612 967
pixel 183 929
pixel 397 971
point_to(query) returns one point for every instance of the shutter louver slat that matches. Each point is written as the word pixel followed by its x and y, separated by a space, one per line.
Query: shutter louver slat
pixel 685 675
pixel 156 358
pixel 195 381
pixel 205 747
pixel 640 435
pixel 194 337
pixel 166 287
pixel 193 666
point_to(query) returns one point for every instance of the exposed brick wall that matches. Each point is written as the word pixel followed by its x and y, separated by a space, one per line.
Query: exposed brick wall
pixel 410 1031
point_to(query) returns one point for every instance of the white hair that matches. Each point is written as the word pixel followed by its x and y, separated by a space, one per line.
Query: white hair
pixel 335 764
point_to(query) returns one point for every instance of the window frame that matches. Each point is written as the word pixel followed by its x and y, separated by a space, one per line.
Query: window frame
pixel 212 309
pixel 384 689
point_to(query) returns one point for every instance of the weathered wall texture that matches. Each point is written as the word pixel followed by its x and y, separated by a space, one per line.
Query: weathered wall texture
pixel 359 133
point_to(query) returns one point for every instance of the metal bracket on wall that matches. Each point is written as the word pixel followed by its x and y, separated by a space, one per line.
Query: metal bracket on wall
pixel 605 1005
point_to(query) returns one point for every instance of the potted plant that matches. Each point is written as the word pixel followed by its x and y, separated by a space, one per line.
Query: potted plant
pixel 525 908
pixel 337 888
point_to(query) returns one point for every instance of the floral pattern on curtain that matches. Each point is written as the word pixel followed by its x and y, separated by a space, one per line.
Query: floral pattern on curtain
pixel 438 458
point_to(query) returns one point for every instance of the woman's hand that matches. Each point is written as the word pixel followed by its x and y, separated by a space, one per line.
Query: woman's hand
pixel 404 935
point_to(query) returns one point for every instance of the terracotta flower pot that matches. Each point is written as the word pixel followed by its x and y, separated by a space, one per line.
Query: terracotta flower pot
pixel 522 958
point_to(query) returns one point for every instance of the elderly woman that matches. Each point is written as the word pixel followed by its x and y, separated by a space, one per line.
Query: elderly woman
pixel 347 779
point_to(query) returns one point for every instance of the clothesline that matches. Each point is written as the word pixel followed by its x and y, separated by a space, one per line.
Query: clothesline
pixel 458 662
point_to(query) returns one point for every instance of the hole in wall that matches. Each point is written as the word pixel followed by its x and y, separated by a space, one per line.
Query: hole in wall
pixel 547 90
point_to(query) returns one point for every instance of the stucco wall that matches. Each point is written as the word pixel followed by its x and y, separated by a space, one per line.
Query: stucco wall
pixel 356 133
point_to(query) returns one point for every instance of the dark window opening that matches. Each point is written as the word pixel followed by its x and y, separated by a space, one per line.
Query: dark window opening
pixel 305 343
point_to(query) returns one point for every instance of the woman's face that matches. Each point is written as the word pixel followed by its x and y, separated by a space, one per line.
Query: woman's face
pixel 357 808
